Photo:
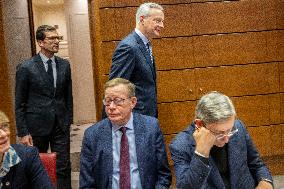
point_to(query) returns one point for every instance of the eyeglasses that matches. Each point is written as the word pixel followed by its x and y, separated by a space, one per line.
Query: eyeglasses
pixel 220 136
pixel 116 101
pixel 4 126
pixel 53 38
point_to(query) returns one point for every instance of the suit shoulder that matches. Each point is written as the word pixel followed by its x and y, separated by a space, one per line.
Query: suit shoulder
pixel 95 128
pixel 24 151
pixel 145 118
pixel 59 59
pixel 184 138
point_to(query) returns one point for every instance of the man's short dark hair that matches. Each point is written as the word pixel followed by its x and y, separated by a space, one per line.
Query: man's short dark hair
pixel 40 32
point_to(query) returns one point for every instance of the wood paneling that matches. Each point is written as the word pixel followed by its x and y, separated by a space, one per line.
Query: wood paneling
pixel 268 139
pixel 175 117
pixel 282 107
pixel 258 110
pixel 230 17
pixel 261 138
pixel 176 85
pixel 239 80
pixel 230 49
pixel 174 53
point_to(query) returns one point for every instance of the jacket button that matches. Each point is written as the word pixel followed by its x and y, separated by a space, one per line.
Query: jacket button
pixel 7 183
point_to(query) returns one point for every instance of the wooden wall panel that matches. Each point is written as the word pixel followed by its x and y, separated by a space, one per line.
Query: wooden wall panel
pixel 258 110
pixel 239 80
pixel 176 85
pixel 230 17
pixel 107 52
pixel 277 139
pixel 173 53
pixel 282 107
pixel 261 138
pixel 230 49
pixel 175 117
pixel 268 139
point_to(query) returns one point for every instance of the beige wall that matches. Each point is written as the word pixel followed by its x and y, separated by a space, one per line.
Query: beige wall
pixel 76 12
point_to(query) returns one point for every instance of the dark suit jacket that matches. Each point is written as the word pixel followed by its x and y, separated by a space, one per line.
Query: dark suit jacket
pixel 37 103
pixel 29 173
pixel 96 165
pixel 132 61
pixel 246 167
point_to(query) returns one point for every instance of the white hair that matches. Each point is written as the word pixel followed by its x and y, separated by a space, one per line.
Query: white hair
pixel 144 10
pixel 214 107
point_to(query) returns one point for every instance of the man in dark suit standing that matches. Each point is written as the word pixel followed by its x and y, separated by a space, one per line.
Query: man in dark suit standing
pixel 125 150
pixel 216 151
pixel 133 58
pixel 44 103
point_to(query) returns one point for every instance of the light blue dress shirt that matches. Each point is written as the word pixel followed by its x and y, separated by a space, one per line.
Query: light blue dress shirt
pixel 135 180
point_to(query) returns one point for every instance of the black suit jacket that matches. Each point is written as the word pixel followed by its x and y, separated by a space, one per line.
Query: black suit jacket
pixel 37 102
pixel 132 61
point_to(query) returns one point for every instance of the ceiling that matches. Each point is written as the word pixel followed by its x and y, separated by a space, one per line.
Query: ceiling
pixel 47 2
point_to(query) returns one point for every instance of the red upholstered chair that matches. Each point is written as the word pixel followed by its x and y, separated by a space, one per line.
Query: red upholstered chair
pixel 49 162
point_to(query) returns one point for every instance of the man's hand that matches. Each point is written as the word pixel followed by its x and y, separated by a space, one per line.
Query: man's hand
pixel 264 185
pixel 26 140
pixel 204 140
pixel 4 142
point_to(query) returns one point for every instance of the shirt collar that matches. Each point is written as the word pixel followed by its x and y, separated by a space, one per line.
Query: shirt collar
pixel 45 59
pixel 142 36
pixel 128 125
pixel 10 159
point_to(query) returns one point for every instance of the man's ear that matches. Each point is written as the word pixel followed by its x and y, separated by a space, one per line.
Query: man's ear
pixel 198 123
pixel 142 19
pixel 40 43
pixel 133 101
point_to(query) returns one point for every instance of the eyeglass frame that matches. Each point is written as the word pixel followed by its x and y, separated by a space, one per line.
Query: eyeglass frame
pixel 220 136
pixel 53 38
pixel 117 101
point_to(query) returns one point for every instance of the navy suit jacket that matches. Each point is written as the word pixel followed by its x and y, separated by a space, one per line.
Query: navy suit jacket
pixel 37 104
pixel 29 173
pixel 132 61
pixel 96 165
pixel 245 166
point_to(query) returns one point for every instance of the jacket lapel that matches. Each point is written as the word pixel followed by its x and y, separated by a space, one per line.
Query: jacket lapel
pixel 145 53
pixel 140 146
pixel 216 178
pixel 106 134
pixel 234 153
pixel 42 71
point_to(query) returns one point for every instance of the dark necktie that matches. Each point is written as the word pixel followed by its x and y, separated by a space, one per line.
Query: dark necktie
pixel 149 49
pixel 50 70
pixel 124 164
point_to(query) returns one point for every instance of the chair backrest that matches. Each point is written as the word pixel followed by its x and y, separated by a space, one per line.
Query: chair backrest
pixel 49 162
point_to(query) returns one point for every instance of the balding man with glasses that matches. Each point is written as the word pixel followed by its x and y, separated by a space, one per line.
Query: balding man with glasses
pixel 126 150
pixel 216 151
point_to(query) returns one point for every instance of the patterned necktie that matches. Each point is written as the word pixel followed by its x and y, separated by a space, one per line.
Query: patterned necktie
pixel 149 49
pixel 124 164
pixel 50 70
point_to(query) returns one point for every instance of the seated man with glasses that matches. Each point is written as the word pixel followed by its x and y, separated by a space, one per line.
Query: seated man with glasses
pixel 125 150
pixel 20 166
pixel 216 151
